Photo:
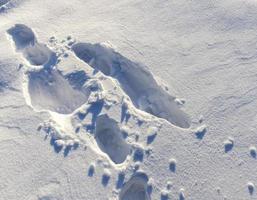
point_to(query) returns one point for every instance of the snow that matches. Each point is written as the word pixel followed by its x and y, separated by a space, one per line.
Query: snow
pixel 132 99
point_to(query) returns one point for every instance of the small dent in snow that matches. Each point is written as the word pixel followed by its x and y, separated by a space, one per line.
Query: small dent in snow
pixel 48 197
pixel 172 165
pixel 121 179
pixel 151 134
pixel 91 170
pixel 251 187
pixel 106 177
pixel 253 151
pixel 228 144
pixel 201 131
pixel 182 194
pixel 138 154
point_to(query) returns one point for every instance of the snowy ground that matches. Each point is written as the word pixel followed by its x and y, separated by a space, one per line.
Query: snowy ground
pixel 128 100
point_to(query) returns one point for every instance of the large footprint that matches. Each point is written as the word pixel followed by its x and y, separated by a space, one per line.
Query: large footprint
pixel 136 81
pixel 135 188
pixel 48 88
pixel 109 139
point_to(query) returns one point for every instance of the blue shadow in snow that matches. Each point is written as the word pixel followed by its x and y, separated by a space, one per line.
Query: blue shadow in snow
pixel 228 147
pixel 91 171
pixel 69 148
pixel 120 181
pixel 95 109
pixel 124 115
pixel 151 138
pixel 57 148
pixel 138 155
pixel 105 180
pixel 164 197
pixel 200 134
pixel 253 154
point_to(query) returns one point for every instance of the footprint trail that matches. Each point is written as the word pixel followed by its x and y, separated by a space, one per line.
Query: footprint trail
pixel 47 88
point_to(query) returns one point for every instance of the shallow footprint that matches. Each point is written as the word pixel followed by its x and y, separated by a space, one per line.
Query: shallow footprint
pixel 109 139
pixel 135 188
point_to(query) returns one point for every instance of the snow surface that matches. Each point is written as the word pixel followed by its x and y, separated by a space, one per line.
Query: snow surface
pixel 131 99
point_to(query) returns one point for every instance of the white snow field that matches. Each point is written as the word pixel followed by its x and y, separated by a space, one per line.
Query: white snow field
pixel 128 100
